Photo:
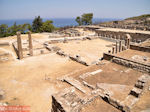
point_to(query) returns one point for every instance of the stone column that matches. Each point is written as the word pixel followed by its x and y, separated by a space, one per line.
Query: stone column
pixel 110 36
pixel 116 46
pixel 123 48
pixel 115 37
pixel 113 50
pixel 120 46
pixel 30 44
pixel 119 37
pixel 128 41
pixel 19 43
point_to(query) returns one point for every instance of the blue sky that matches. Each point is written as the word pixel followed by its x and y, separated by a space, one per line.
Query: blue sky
pixel 28 9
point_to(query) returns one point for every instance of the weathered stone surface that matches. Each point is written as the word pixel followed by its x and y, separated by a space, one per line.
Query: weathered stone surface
pixel 78 60
pixel 53 48
pixel 61 53
pixel 136 92
pixel 132 64
pixel 77 84
pixel 66 101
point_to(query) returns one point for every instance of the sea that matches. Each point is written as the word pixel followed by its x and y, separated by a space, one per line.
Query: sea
pixel 58 22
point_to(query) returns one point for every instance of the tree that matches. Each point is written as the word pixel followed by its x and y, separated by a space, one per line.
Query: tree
pixel 37 24
pixel 3 30
pixel 78 20
pixel 85 19
pixel 29 27
pixel 14 29
pixel 47 26
pixel 24 28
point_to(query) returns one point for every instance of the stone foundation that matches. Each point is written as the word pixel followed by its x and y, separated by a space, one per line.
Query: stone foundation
pixel 132 64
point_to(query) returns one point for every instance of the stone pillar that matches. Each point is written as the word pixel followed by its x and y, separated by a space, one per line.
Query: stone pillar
pixel 120 46
pixel 30 44
pixel 128 41
pixel 124 47
pixel 113 50
pixel 115 37
pixel 110 36
pixel 119 37
pixel 19 43
pixel 116 46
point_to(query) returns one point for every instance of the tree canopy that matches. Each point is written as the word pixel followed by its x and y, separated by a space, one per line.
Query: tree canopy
pixel 85 19
pixel 37 26
pixel 78 20
pixel 3 30
pixel 47 26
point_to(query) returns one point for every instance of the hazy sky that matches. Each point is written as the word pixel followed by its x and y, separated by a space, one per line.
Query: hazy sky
pixel 27 9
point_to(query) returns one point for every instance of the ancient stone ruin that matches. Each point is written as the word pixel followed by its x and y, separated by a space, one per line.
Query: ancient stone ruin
pixel 78 69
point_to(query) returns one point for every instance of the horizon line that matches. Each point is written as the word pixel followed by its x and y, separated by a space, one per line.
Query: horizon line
pixel 58 18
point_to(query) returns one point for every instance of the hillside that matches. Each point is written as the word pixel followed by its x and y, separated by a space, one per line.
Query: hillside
pixel 141 17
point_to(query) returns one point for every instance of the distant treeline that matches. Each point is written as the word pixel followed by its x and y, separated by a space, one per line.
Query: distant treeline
pixel 37 26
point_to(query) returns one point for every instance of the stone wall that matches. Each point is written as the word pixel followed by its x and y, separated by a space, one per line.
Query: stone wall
pixel 132 26
pixel 136 37
pixel 139 48
pixel 132 64
pixel 128 63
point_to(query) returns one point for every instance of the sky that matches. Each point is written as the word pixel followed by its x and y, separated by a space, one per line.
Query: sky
pixel 29 9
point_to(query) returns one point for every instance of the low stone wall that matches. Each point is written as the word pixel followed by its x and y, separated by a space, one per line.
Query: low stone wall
pixel 132 64
pixel 135 93
pixel 74 58
pixel 78 60
pixel 52 48
pixel 107 56
pixel 128 63
pixel 4 43
pixel 139 48
pixel 114 102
